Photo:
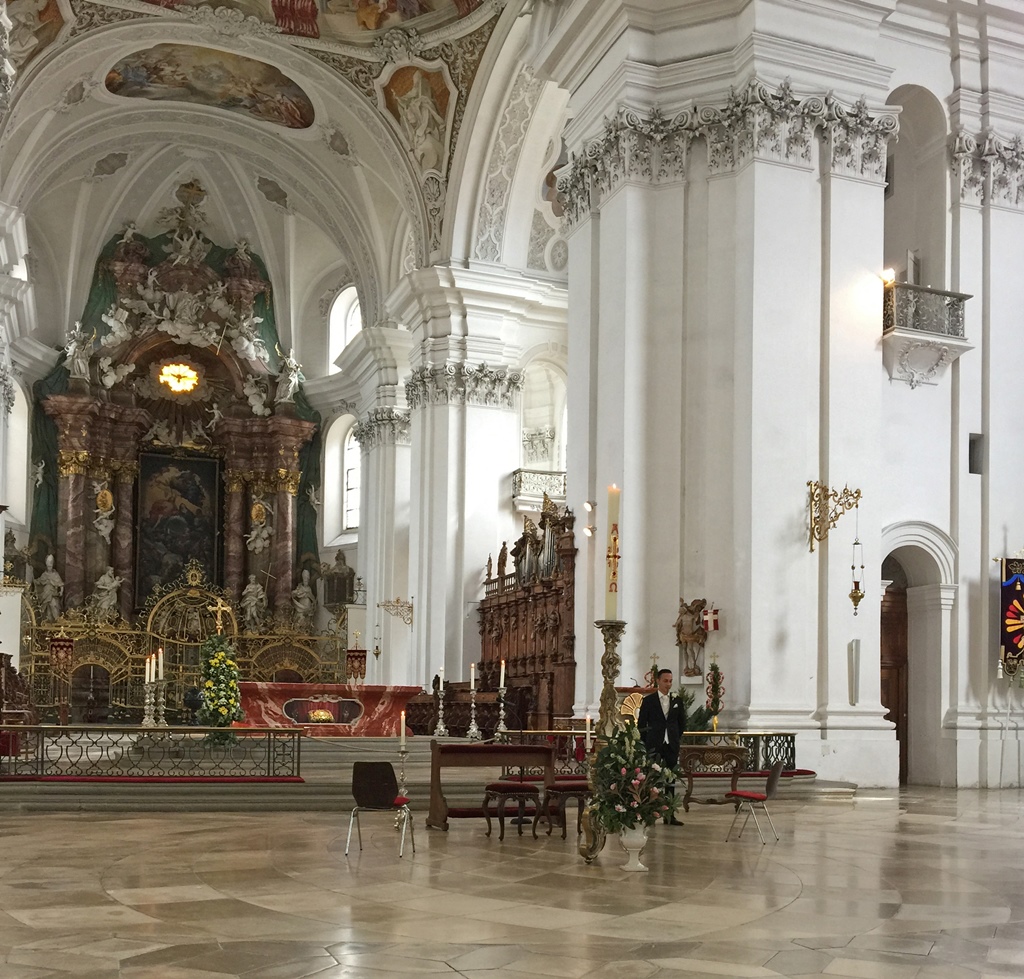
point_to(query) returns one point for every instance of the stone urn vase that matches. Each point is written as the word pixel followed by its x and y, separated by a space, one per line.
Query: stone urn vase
pixel 633 841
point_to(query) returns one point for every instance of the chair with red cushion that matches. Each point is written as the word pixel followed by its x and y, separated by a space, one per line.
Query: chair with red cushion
pixel 375 789
pixel 742 797
pixel 500 793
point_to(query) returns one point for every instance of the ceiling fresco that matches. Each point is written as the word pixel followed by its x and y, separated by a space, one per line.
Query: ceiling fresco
pixel 35 25
pixel 340 19
pixel 202 76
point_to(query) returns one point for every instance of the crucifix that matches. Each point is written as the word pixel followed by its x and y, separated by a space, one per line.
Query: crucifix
pixel 219 608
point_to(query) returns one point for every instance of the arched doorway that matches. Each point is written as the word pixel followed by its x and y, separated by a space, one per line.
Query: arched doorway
pixel 893 661
pixel 920 562
pixel 287 676
pixel 90 694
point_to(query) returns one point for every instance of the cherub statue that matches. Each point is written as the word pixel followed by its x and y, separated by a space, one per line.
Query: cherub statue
pixel 111 373
pixel 37 472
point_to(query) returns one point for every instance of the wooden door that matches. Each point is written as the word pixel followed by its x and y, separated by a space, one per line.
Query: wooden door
pixel 894 667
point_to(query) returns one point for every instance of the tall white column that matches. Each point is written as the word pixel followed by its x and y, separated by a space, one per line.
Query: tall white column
pixel 852 429
pixel 384 541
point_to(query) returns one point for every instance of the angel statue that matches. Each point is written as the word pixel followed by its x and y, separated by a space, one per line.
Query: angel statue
pixel 289 377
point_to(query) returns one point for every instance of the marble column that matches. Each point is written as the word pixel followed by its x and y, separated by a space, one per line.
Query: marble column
pixel 71 502
pixel 235 529
pixel 122 557
pixel 283 547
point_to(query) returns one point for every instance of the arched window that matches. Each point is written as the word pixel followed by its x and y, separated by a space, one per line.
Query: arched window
pixel 342 459
pixel 352 473
pixel 346 320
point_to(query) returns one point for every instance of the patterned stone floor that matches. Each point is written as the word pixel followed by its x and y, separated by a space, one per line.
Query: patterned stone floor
pixel 923 884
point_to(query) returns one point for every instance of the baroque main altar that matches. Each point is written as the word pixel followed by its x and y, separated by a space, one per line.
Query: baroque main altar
pixel 176 470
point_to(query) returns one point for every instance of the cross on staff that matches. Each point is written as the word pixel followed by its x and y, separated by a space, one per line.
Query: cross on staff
pixel 219 608
pixel 267 575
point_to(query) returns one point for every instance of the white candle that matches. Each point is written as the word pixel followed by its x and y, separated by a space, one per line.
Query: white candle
pixel 160 663
pixel 587 741
pixel 440 676
pixel 501 679
pixel 611 576
pixel 472 676
pixel 402 738
pixel 148 664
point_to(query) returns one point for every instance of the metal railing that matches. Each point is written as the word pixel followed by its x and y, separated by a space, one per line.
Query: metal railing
pixel 140 752
pixel 764 748
pixel 923 310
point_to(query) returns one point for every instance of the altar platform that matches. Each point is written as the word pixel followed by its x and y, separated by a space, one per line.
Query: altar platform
pixel 356 710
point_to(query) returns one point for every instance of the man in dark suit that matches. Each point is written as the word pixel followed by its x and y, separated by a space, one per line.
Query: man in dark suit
pixel 662 721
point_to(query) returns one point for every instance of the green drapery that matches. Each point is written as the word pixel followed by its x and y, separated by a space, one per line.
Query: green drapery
pixel 307 553
pixel 43 528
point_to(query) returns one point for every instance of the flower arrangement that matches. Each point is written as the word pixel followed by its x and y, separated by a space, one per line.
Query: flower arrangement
pixel 630 787
pixel 219 685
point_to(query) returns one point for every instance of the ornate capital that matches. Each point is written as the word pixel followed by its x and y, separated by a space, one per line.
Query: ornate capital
pixel 73 462
pixel 124 472
pixel 7 72
pixel 234 480
pixel 967 166
pixel 758 123
pixel 463 384
pixel 1003 162
pixel 632 147
pixel 857 140
pixel 383 426
pixel 6 379
pixel 288 481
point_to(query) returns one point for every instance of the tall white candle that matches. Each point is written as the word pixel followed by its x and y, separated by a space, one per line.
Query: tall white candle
pixel 440 676
pixel 160 663
pixel 611 576
pixel 501 679
pixel 587 741
pixel 149 663
pixel 472 676
pixel 402 738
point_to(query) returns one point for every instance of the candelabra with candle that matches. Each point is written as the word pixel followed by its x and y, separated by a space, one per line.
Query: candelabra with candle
pixel 440 731
pixel 473 732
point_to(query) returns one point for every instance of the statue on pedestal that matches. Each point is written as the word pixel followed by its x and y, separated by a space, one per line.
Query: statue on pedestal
pixel 105 591
pixel 691 634
pixel 303 602
pixel 49 589
pixel 254 604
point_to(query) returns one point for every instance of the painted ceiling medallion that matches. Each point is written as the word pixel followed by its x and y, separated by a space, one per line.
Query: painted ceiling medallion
pixel 180 378
pixel 202 76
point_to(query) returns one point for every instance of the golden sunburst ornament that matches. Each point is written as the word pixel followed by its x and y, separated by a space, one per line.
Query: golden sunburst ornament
pixel 179 378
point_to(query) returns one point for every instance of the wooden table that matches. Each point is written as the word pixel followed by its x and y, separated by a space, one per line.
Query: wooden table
pixel 712 760
pixel 481 756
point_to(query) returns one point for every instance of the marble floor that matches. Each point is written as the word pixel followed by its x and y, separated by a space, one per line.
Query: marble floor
pixel 921 884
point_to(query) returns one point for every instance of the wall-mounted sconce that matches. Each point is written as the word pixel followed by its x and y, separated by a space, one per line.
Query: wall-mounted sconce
pixel 826 506
pixel 590 506
pixel 402 609
pixel 588 531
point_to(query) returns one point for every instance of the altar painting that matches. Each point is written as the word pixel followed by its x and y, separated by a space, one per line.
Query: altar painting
pixel 178 519
pixel 344 19
pixel 203 76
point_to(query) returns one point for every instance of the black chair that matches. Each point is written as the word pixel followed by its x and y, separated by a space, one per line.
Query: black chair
pixel 742 796
pixel 375 789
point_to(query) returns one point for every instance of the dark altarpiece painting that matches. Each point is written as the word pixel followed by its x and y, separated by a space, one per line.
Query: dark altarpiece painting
pixel 179 519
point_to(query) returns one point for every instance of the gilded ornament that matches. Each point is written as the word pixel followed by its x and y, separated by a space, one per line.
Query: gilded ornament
pixel 258 513
pixel 73 462
pixel 105 500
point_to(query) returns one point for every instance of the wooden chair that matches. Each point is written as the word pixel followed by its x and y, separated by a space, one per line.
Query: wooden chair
pixel 749 798
pixel 556 796
pixel 375 789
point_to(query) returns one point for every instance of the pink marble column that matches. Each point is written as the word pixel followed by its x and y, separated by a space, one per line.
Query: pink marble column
pixel 234 534
pixel 121 549
pixel 71 523
pixel 284 549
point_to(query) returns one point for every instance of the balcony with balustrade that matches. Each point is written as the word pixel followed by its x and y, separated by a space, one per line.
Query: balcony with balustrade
pixel 922 332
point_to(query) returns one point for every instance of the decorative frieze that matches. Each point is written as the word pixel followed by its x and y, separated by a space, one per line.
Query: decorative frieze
pixel 383 426
pixel 6 387
pixel 463 384
pixel 504 162
pixel 757 122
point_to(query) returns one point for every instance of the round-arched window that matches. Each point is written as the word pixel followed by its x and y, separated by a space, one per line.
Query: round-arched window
pixel 346 320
